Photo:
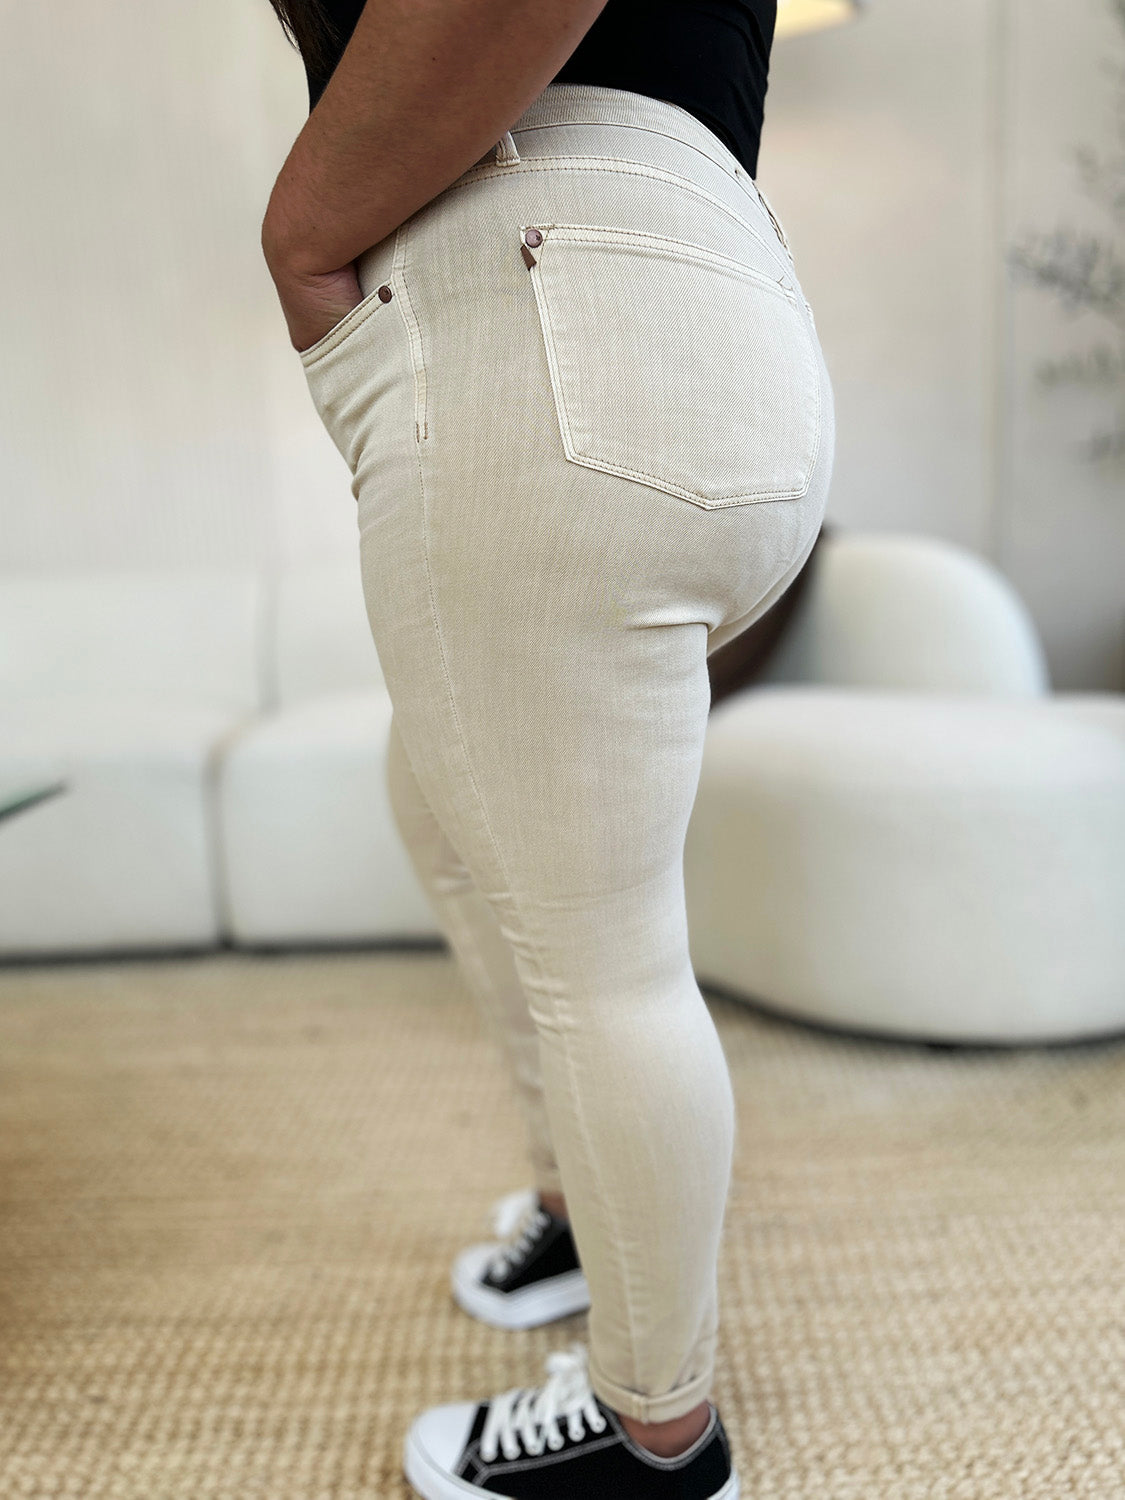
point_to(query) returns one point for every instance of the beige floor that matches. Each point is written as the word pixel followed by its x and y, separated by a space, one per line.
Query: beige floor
pixel 231 1188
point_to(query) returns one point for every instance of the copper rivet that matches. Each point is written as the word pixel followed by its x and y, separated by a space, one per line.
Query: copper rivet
pixel 533 237
pixel 385 294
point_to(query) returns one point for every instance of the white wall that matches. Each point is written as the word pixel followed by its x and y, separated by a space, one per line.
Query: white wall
pixel 152 412
pixel 905 153
pixel 1060 521
pixel 132 313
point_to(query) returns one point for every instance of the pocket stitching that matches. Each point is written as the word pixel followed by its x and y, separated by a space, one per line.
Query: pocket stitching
pixel 778 250
pixel 676 248
pixel 413 326
pixel 685 250
pixel 340 332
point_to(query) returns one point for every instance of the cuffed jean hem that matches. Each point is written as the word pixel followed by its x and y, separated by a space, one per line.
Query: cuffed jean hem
pixel 664 1408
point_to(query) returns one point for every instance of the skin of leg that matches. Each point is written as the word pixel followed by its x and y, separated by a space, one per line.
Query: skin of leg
pixel 668 1438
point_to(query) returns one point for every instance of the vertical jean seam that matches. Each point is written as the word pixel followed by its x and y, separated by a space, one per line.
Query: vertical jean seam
pixel 414 335
pixel 575 1093
pixel 450 911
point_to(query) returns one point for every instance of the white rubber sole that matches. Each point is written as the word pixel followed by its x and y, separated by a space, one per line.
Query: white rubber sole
pixel 433 1483
pixel 544 1303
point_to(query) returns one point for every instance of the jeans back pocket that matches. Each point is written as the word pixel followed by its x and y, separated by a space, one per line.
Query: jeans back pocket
pixel 676 366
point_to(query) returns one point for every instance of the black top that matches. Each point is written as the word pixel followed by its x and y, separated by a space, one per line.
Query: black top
pixel 711 57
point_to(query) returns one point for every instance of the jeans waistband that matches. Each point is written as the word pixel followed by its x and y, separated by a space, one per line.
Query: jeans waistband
pixel 597 104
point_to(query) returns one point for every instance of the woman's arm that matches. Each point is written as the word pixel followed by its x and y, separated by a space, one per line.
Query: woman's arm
pixel 423 89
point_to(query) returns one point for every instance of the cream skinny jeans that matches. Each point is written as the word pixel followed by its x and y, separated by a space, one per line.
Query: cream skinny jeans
pixel 591 431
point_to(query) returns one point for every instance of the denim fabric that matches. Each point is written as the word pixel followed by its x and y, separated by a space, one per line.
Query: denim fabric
pixel 590 431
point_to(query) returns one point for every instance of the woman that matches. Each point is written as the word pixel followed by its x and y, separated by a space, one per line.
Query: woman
pixel 557 334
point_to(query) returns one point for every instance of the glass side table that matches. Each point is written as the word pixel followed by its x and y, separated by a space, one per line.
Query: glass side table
pixel 14 800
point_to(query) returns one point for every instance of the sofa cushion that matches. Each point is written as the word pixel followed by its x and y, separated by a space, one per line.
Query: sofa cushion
pixel 311 851
pixel 123 858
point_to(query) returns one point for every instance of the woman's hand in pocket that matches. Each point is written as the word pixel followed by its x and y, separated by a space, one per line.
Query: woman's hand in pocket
pixel 313 303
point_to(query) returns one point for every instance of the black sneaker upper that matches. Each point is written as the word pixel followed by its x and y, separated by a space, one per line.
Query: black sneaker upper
pixel 599 1464
pixel 552 1252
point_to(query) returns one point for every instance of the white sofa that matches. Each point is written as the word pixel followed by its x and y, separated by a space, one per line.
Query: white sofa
pixel 123 688
pixel 310 852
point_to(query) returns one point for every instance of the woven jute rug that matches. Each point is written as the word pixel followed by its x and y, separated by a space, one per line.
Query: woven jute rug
pixel 231 1189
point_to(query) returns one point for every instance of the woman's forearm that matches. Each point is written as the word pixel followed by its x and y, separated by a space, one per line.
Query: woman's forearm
pixel 423 89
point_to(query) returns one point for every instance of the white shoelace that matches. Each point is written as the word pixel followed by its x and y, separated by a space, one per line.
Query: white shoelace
pixel 528 1420
pixel 519 1210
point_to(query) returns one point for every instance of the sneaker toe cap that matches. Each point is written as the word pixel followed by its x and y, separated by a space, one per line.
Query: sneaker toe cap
pixel 440 1434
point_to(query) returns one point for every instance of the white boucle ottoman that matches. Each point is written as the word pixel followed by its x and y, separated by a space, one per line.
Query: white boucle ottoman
pixel 929 866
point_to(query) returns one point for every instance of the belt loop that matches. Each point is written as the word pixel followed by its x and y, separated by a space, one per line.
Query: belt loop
pixel 774 218
pixel 505 149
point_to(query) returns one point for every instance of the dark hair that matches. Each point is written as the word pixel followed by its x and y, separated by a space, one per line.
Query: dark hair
pixel 312 31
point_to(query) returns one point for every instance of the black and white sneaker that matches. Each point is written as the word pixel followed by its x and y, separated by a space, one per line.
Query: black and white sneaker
pixel 556 1441
pixel 532 1276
